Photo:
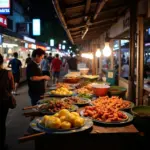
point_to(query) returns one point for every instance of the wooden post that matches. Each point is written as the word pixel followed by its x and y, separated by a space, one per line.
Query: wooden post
pixel 119 73
pixel 112 56
pixel 140 60
pixel 133 7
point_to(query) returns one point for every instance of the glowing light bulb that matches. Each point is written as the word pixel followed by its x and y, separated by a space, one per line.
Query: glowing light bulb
pixel 98 53
pixel 90 56
pixel 107 50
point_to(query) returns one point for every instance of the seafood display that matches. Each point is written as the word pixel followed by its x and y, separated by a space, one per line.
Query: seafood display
pixel 104 114
pixel 112 102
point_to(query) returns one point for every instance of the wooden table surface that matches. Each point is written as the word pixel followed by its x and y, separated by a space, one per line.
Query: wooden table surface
pixel 100 129
pixel 124 129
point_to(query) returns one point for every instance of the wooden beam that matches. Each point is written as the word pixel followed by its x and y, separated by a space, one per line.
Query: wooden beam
pixel 103 12
pixel 87 7
pixel 140 61
pixel 103 21
pixel 75 33
pixel 99 8
pixel 75 18
pixel 86 30
pixel 76 6
pixel 101 26
pixel 133 13
pixel 113 9
pixel 76 36
pixel 61 17
pixel 90 24
pixel 77 27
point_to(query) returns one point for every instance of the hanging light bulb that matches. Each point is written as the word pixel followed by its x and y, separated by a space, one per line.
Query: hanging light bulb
pixel 90 56
pixel 98 53
pixel 107 50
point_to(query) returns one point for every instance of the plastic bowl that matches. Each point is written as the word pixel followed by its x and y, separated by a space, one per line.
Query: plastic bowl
pixel 117 91
pixel 84 71
pixel 141 118
pixel 141 111
pixel 100 89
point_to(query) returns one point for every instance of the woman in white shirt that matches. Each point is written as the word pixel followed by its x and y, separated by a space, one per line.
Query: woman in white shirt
pixel 125 71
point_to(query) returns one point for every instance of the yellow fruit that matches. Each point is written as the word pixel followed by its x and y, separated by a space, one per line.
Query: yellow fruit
pixel 44 119
pixel 63 112
pixel 63 118
pixel 75 113
pixel 65 125
pixel 56 115
pixel 71 118
pixel 53 122
pixel 78 122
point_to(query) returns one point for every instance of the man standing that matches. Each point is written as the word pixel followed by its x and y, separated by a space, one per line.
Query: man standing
pixel 72 62
pixel 50 58
pixel 15 64
pixel 45 66
pixel 28 60
pixel 55 67
pixel 35 77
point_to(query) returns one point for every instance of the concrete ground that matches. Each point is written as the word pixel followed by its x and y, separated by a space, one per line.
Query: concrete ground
pixel 17 124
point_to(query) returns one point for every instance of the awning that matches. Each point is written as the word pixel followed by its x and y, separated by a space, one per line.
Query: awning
pixel 87 19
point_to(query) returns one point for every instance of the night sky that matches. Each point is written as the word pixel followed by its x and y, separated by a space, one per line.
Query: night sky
pixel 43 9
pixel 51 26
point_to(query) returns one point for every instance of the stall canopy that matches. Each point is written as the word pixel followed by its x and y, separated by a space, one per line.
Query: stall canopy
pixel 87 19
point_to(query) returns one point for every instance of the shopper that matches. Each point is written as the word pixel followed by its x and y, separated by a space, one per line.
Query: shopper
pixel 45 66
pixel 35 77
pixel 28 60
pixel 72 62
pixel 65 66
pixel 125 71
pixel 55 68
pixel 50 58
pixel 15 64
pixel 6 87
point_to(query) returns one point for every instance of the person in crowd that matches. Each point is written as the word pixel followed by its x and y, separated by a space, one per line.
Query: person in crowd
pixel 65 66
pixel 147 69
pixel 55 68
pixel 28 60
pixel 15 64
pixel 72 62
pixel 123 60
pixel 6 87
pixel 45 66
pixel 125 70
pixel 50 58
pixel 35 77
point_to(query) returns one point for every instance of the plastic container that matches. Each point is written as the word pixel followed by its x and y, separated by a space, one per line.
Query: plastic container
pixel 100 89
pixel 141 118
pixel 117 91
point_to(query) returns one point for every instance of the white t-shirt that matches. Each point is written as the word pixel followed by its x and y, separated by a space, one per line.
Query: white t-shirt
pixel 125 70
